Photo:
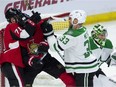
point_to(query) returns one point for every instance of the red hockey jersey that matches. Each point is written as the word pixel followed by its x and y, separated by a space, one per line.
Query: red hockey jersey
pixel 12 51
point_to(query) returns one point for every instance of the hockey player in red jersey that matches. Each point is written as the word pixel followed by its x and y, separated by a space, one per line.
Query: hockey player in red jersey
pixel 11 61
pixel 26 52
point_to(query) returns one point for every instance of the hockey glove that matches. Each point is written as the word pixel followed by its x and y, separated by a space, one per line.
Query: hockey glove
pixel 113 59
pixel 114 56
pixel 35 49
pixel 24 19
pixel 47 29
pixel 35 61
pixel 43 47
pixel 21 18
pixel 35 17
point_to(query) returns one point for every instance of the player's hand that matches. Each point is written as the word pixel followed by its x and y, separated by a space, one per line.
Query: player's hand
pixel 21 18
pixel 114 55
pixel 47 29
pixel 113 59
pixel 35 17
pixel 36 62
pixel 43 47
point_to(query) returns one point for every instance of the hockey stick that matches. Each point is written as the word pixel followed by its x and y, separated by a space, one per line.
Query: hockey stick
pixel 26 2
pixel 112 80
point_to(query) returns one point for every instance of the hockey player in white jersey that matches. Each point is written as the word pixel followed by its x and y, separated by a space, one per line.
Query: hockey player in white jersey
pixel 101 48
pixel 100 45
pixel 77 55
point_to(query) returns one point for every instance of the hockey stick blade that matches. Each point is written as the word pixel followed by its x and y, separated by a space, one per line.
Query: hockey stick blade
pixel 59 17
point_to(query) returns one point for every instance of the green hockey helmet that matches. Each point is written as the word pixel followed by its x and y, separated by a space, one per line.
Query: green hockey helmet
pixel 99 34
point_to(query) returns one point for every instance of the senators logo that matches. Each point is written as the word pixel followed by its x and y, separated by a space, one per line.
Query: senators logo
pixel 33 47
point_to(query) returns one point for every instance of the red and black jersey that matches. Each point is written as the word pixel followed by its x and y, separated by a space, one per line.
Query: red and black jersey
pixel 13 40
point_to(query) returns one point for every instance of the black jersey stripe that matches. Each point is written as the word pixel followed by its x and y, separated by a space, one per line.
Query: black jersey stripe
pixel 73 63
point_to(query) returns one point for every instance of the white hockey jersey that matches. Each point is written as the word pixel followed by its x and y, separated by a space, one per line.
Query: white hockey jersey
pixel 77 55
pixel 102 53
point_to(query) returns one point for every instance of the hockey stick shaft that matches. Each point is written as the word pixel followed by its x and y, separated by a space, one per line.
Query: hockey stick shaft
pixel 26 2
pixel 112 80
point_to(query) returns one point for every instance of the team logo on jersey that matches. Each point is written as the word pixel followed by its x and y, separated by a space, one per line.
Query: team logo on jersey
pixel 33 48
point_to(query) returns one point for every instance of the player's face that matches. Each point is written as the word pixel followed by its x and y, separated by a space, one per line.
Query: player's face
pixel 13 20
pixel 73 23
pixel 102 36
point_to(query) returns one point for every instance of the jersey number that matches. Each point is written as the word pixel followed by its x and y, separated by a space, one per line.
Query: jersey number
pixel 87 54
pixel 64 40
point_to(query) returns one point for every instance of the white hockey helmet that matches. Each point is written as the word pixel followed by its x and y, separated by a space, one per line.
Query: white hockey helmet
pixel 78 14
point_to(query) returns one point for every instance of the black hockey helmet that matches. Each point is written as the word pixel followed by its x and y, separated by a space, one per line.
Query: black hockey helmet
pixel 11 12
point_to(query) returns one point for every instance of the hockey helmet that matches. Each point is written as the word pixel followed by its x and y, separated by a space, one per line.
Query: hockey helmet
pixel 99 30
pixel 79 15
pixel 11 12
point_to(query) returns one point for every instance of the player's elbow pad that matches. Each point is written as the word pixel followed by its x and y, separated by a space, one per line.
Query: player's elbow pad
pixel 30 29
pixel 53 43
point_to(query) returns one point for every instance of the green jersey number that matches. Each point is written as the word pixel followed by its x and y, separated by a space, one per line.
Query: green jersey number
pixel 87 54
pixel 64 40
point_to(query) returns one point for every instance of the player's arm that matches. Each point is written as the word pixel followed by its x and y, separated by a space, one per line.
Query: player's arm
pixel 27 27
pixel 61 43
pixel 22 33
pixel 37 53
pixel 106 52
pixel 105 57
pixel 113 58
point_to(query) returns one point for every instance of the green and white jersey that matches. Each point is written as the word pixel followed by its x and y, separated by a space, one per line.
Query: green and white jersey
pixel 102 53
pixel 77 55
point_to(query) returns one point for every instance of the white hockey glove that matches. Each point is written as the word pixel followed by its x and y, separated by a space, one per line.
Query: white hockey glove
pixel 113 59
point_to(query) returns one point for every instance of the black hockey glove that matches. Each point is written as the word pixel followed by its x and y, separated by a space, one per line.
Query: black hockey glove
pixel 47 29
pixel 36 61
pixel 22 18
pixel 43 47
pixel 35 17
